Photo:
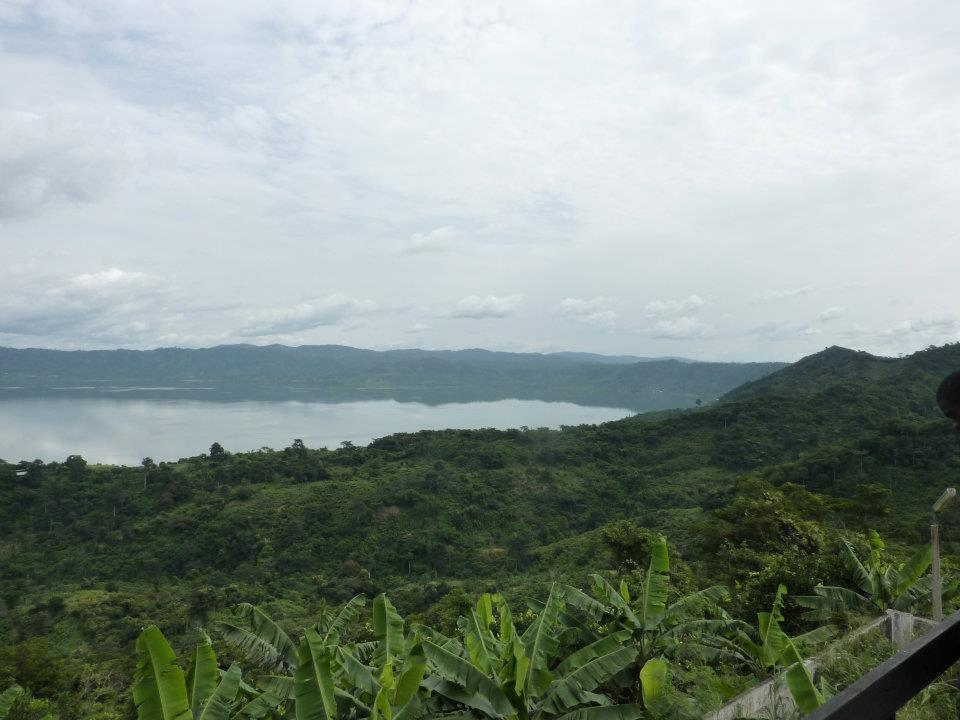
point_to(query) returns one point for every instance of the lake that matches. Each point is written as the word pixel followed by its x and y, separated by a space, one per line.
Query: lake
pixel 123 431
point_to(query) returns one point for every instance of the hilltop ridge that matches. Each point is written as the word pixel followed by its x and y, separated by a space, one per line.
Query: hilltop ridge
pixel 907 378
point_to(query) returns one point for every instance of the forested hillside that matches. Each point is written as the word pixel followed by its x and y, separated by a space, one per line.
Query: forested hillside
pixel 338 373
pixel 753 491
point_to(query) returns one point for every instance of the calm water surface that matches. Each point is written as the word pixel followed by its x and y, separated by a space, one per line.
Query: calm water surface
pixel 125 431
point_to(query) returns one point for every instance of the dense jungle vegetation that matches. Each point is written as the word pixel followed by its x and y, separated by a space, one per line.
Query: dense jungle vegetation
pixel 504 550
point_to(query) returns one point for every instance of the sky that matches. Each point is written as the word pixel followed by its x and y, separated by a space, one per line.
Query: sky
pixel 723 181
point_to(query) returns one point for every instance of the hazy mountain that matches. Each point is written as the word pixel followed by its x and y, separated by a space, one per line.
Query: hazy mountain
pixel 335 372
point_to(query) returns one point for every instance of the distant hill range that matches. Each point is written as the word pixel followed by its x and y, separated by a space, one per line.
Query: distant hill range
pixel 340 373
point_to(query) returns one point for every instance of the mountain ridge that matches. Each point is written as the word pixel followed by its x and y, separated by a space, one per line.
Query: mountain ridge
pixel 337 372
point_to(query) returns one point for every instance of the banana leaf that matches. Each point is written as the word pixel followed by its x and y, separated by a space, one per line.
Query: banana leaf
pixel 330 631
pixel 313 681
pixel 220 702
pixel 388 628
pixel 654 680
pixel 202 673
pixel 159 689
pixel 466 680
pixel 568 691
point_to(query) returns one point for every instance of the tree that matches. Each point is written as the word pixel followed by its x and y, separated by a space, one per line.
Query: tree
pixel 148 465
pixel 217 452
pixel 76 465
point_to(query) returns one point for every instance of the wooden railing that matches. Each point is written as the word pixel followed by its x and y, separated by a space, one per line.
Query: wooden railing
pixel 888 687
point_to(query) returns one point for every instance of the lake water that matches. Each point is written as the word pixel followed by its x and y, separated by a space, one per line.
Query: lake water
pixel 124 431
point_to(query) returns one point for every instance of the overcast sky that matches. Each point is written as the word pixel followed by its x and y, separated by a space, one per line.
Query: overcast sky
pixel 735 180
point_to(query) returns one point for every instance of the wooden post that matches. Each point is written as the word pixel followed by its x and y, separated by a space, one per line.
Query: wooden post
pixel 937 588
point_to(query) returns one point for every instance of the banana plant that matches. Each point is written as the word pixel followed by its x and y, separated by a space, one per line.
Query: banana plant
pixel 379 680
pixel 881 584
pixel 261 640
pixel 161 691
pixel 8 698
pixel 497 672
pixel 768 648
pixel 658 629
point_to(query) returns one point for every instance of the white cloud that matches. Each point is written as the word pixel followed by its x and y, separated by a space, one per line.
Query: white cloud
pixel 417 328
pixel 331 310
pixel 572 307
pixel 829 314
pixel 110 305
pixel 681 328
pixel 476 307
pixel 441 240
pixel 606 319
pixel 668 308
pixel 594 311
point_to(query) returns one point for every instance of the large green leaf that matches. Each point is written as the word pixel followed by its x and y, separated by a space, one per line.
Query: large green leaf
pixel 830 601
pixel 411 675
pixel 388 628
pixel 540 643
pixel 609 594
pixel 694 604
pixel 465 678
pixel 507 630
pixel 569 691
pixel 603 646
pixel 576 598
pixel 360 676
pixel 313 681
pixel 800 684
pixel 436 685
pixel 656 585
pixel 654 680
pixel 912 570
pixel 8 698
pixel 262 705
pixel 202 673
pixel 331 630
pixel 773 640
pixel 219 704
pixel 265 643
pixel 159 690
pixel 860 574
pixel 920 593
pixel 280 686
pixel 480 642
